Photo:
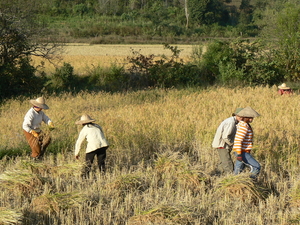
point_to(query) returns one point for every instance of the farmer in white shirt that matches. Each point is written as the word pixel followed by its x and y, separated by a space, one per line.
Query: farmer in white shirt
pixel 96 143
pixel 223 141
pixel 33 119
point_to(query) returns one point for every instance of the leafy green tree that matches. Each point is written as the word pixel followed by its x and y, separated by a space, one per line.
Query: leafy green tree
pixel 246 11
pixel 288 30
pixel 280 23
pixel 14 51
pixel 18 42
pixel 207 12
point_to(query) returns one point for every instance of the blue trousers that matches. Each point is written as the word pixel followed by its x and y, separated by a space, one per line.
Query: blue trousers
pixel 249 161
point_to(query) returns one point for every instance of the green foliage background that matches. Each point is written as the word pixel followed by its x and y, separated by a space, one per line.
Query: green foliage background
pixel 249 42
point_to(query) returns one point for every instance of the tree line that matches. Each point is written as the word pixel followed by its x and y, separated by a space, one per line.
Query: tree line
pixel 273 57
pixel 178 17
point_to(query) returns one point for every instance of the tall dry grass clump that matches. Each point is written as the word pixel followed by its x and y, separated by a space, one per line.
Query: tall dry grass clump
pixel 159 164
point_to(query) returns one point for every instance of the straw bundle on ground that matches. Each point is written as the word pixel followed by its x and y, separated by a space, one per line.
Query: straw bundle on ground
pixel 8 216
pixel 53 203
pixel 172 166
pixel 162 215
pixel 127 182
pixel 242 187
pixel 21 182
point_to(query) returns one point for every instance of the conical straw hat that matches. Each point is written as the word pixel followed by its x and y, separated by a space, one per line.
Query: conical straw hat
pixel 248 112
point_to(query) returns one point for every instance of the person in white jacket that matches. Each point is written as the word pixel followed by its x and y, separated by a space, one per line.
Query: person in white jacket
pixel 96 144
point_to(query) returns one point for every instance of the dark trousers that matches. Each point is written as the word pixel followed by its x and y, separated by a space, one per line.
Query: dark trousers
pixel 226 163
pixel 89 159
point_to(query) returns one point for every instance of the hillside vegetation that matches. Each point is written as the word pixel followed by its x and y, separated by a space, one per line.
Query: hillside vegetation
pixel 248 43
pixel 147 21
pixel 160 161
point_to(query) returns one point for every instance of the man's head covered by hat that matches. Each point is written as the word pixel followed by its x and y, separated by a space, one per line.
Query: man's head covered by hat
pixel 247 114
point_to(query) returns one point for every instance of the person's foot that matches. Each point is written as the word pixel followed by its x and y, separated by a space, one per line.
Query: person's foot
pixel 36 159
pixel 254 178
pixel 215 172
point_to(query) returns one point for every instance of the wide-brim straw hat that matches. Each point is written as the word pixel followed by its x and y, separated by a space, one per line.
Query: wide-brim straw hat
pixel 39 102
pixel 248 112
pixel 283 86
pixel 85 118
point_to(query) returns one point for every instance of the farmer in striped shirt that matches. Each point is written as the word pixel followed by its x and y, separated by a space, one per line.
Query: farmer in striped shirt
pixel 243 143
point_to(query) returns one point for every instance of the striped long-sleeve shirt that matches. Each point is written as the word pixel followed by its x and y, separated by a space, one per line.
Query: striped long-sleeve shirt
pixel 244 138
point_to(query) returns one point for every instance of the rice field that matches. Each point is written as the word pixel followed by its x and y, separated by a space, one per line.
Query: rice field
pixel 160 161
pixel 85 56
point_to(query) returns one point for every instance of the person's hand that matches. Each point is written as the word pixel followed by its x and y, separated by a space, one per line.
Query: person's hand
pixel 51 126
pixel 239 157
pixel 77 157
pixel 34 133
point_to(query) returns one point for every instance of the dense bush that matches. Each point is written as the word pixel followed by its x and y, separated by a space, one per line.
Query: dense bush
pixel 115 79
pixel 63 79
pixel 240 61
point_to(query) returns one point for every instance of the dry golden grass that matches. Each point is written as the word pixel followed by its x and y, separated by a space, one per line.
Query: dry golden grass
pixel 159 161
pixel 10 216
pixel 84 56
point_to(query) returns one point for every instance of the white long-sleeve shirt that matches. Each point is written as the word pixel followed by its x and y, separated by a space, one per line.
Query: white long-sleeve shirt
pixel 34 119
pixel 225 133
pixel 94 136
